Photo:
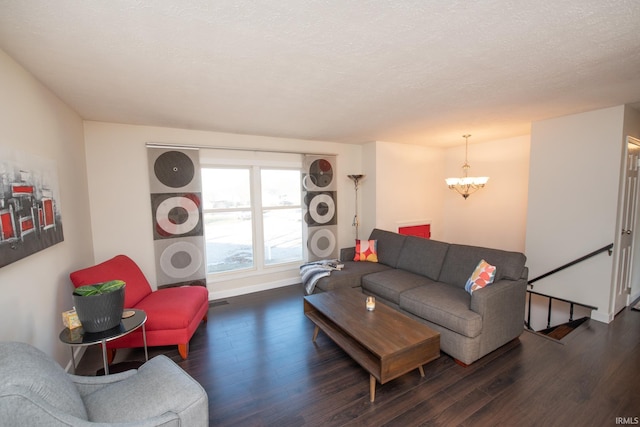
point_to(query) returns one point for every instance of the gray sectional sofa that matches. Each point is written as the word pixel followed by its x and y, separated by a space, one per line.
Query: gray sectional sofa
pixel 425 279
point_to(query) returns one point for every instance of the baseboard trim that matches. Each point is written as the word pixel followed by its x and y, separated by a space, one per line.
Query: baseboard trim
pixel 602 317
pixel 228 293
pixel 634 297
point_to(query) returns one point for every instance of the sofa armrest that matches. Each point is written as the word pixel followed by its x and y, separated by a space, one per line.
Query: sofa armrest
pixel 502 307
pixel 87 385
pixel 347 254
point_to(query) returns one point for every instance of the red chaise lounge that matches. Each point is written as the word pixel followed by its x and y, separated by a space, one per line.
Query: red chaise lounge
pixel 173 314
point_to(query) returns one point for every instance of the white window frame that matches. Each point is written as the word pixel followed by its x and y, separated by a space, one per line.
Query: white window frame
pixel 255 162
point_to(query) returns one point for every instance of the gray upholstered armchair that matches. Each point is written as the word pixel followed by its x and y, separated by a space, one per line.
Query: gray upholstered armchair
pixel 35 390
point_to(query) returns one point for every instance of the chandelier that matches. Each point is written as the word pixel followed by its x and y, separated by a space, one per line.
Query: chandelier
pixel 467 184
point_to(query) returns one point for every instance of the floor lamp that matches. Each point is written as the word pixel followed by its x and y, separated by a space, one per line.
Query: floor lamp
pixel 356 220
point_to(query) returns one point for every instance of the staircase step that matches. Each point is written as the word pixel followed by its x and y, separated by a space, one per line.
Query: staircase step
pixel 560 331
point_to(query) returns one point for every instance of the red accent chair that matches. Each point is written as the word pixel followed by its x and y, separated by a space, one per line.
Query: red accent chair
pixel 173 314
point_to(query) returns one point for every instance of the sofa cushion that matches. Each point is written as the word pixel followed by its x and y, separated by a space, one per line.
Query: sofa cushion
pixel 389 246
pixel 173 308
pixel 391 283
pixel 350 276
pixel 366 250
pixel 445 305
pixel 423 256
pixel 461 260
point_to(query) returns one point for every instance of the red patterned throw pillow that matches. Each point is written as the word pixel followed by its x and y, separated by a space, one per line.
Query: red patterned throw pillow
pixel 482 276
pixel 366 250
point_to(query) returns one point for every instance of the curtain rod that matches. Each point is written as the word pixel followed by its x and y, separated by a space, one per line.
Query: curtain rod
pixel 197 147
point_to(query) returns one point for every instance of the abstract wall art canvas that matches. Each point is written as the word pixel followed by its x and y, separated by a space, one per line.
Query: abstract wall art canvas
pixel 30 218
pixel 176 211
pixel 320 185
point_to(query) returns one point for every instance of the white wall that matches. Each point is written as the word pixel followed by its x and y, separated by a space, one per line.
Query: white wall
pixel 36 289
pixel 119 187
pixel 573 194
pixel 406 184
pixel 494 216
pixel 367 192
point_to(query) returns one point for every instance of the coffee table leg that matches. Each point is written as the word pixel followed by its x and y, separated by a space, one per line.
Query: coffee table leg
pixel 372 388
pixel 421 369
pixel 315 333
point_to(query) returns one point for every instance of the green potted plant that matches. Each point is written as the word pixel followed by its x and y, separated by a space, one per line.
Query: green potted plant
pixel 99 306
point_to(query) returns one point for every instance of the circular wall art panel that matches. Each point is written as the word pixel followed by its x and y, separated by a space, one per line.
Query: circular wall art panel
pixel 177 215
pixel 180 260
pixel 174 169
pixel 319 174
pixel 322 208
pixel 322 243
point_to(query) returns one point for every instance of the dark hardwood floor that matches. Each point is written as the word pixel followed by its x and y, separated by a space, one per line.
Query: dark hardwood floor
pixel 259 367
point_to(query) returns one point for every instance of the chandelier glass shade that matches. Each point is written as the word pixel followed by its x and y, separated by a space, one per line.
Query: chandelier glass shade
pixel 466 185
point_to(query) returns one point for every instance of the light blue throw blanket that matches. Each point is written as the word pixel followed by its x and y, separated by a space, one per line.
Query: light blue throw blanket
pixel 311 272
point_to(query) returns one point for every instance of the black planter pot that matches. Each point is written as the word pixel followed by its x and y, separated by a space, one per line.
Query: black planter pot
pixel 101 312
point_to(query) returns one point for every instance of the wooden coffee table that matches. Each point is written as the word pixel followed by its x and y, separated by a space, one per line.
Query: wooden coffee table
pixel 385 342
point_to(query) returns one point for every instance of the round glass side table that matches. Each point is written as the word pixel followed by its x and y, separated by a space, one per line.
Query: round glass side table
pixel 78 338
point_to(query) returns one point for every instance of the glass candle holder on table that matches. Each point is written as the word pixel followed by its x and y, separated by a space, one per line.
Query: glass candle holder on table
pixel 371 303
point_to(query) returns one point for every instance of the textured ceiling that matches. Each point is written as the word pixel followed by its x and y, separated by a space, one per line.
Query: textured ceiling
pixel 408 71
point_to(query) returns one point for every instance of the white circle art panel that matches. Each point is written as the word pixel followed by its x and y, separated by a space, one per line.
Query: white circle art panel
pixel 314 212
pixel 180 260
pixel 314 243
pixel 184 203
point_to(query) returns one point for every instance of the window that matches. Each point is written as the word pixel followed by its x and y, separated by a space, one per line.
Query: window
pixel 252 216
pixel 281 215
pixel 227 219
